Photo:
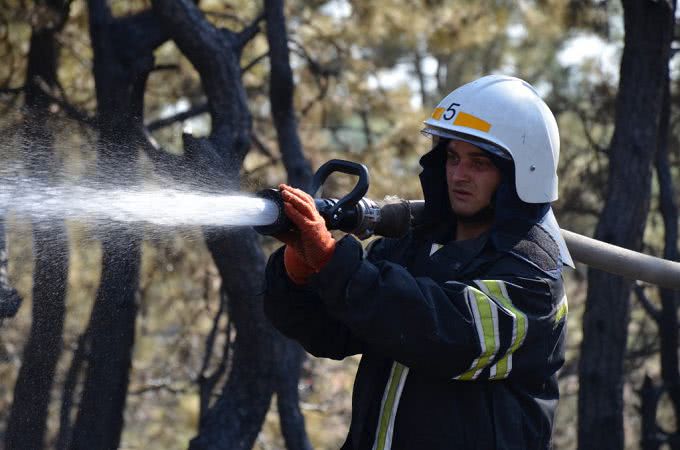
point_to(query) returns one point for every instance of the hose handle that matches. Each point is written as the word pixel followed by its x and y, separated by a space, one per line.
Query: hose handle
pixel 349 200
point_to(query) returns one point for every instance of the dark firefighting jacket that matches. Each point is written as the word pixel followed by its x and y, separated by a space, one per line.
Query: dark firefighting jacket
pixel 460 341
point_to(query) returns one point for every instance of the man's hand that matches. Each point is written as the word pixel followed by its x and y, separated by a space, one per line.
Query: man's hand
pixel 311 243
pixel 296 267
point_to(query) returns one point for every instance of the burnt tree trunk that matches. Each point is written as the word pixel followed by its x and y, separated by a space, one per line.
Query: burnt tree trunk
pixel 281 91
pixel 235 419
pixel 668 321
pixel 290 354
pixel 648 27
pixel 652 435
pixel 123 57
pixel 27 423
pixel 649 401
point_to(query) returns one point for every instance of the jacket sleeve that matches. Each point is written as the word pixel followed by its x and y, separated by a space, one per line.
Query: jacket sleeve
pixel 298 313
pixel 489 328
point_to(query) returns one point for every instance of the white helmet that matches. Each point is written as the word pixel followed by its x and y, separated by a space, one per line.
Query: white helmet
pixel 507 113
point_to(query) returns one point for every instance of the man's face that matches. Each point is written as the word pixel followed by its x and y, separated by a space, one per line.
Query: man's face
pixel 471 177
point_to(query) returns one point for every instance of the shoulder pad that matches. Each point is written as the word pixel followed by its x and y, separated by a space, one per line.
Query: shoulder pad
pixel 536 247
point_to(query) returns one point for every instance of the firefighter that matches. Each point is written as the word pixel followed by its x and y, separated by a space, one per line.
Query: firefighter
pixel 461 324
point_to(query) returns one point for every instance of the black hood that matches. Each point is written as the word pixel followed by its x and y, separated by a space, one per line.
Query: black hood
pixel 514 219
pixel 433 183
pixel 509 210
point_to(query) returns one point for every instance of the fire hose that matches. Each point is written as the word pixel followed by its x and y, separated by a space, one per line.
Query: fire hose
pixel 364 218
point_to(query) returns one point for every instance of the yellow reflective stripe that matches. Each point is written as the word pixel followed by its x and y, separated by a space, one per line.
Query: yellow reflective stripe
pixel 470 121
pixel 395 385
pixel 485 314
pixel 497 290
pixel 562 310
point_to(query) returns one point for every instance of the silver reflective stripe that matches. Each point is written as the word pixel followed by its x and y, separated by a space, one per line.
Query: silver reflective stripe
pixel 434 248
pixel 388 408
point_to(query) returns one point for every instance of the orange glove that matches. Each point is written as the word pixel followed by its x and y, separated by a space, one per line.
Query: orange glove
pixel 296 267
pixel 311 240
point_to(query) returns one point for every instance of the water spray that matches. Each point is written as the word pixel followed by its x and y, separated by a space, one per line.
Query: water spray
pixel 94 204
pixel 167 208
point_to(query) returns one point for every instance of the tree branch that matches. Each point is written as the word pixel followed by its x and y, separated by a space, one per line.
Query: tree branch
pixel 73 112
pixel 249 32
pixel 315 67
pixel 160 385
pixel 649 399
pixel 56 95
pixel 207 383
pixel 322 83
pixel 259 145
pixel 70 383
pixel 210 340
pixel 164 67
pixel 653 311
pixel 586 131
pixel 224 15
pixel 12 91
pixel 320 73
pixel 254 62
pixel 194 111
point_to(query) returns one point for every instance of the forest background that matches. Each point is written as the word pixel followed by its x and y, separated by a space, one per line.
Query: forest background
pixel 118 337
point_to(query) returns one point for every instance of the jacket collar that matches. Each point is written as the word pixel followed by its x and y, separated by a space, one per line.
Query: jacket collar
pixel 439 254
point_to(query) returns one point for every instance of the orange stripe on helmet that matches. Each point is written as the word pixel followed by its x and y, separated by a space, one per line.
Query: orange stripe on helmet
pixel 470 121
pixel 437 114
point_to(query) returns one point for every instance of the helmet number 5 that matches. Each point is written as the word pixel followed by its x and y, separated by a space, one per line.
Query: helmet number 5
pixel 450 111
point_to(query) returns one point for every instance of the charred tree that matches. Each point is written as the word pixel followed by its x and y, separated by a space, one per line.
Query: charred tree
pixel 27 422
pixel 649 396
pixel 261 361
pixel 648 28
pixel 281 90
pixel 123 57
pixel 668 321
pixel 290 354
pixel 235 419
pixel 666 318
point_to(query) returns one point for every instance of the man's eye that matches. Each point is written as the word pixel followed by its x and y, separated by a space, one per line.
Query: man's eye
pixel 482 163
pixel 452 157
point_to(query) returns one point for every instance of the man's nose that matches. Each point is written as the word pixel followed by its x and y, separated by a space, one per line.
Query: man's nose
pixel 461 172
